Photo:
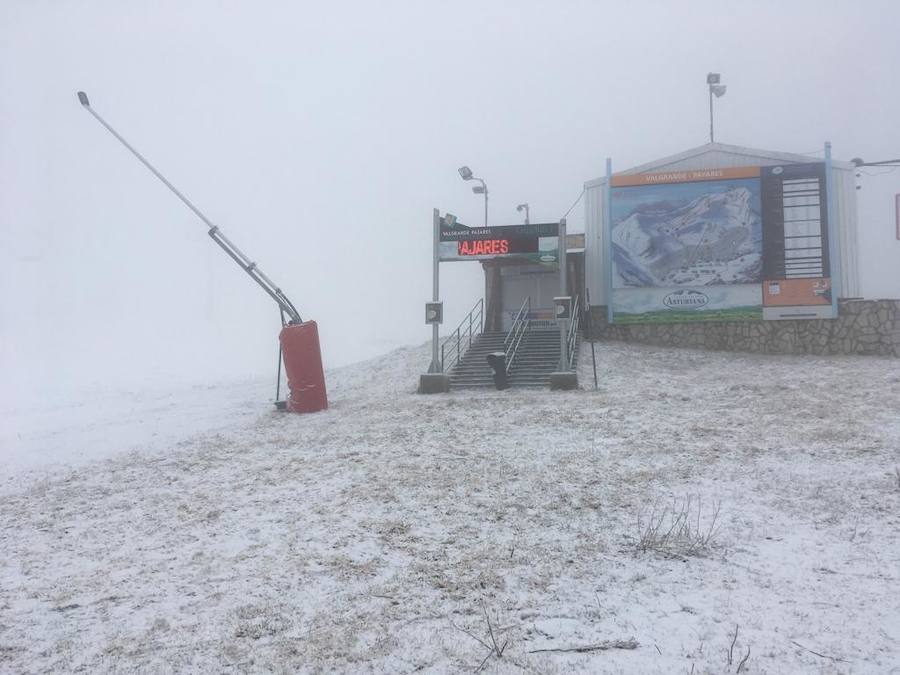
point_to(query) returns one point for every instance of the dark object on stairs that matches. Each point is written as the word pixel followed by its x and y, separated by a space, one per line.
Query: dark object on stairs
pixel 497 361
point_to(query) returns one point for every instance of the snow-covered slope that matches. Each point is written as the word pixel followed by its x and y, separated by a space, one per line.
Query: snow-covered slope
pixel 715 238
pixel 395 532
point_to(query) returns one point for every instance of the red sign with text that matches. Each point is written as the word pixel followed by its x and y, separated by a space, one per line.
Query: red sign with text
pixel 486 247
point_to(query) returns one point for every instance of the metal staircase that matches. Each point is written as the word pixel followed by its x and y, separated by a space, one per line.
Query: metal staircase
pixel 472 370
pixel 537 357
pixel 531 353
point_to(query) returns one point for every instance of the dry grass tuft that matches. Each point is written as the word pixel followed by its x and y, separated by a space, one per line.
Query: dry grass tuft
pixel 678 527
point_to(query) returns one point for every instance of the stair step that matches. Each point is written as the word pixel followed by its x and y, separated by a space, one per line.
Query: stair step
pixel 536 357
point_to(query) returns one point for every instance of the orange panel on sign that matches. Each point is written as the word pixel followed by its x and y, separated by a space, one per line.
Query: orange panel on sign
pixel 686 176
pixel 796 292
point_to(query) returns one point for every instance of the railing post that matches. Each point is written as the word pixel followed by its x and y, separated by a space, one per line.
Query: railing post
pixel 563 283
pixel 435 266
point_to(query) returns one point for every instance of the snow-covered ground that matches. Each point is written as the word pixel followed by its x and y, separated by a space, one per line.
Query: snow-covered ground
pixel 73 428
pixel 199 531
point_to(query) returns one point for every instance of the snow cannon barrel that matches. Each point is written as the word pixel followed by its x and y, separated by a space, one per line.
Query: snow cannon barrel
pixel 303 363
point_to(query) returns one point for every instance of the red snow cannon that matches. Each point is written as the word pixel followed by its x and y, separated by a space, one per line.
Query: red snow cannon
pixel 303 363
pixel 299 339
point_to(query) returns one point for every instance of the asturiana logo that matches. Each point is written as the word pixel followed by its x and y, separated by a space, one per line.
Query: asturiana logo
pixel 686 300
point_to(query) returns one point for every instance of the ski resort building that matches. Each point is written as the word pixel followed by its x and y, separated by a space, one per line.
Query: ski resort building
pixel 728 247
pixel 717 247
pixel 703 165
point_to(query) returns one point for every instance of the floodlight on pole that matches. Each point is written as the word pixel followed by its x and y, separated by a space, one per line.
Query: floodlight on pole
pixel 715 88
pixel 858 162
pixel 524 207
pixel 466 174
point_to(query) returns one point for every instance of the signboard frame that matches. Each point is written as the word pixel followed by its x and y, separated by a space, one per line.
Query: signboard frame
pixel 768 257
pixel 534 243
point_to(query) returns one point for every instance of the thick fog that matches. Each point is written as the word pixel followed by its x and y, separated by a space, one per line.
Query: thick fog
pixel 319 136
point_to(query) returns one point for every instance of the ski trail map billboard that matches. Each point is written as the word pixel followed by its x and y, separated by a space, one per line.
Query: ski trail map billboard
pixel 736 244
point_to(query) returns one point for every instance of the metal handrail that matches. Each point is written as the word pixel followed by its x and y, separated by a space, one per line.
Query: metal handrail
pixel 451 348
pixel 524 310
pixel 517 331
pixel 573 332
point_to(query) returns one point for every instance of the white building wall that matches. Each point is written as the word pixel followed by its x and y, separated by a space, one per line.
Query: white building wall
pixel 846 231
pixel 845 267
pixel 595 241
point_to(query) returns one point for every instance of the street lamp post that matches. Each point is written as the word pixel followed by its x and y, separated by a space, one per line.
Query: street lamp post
pixel 466 174
pixel 524 207
pixel 713 79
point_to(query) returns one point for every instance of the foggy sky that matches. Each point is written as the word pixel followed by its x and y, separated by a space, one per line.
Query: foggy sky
pixel 320 137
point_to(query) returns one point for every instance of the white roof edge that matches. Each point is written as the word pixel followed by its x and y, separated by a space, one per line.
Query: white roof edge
pixel 659 164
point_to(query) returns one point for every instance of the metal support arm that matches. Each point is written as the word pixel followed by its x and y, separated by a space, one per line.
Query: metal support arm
pixel 233 251
pixel 256 274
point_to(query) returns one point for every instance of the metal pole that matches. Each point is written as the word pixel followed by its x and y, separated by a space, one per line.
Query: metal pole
pixel 833 271
pixel 563 357
pixel 485 203
pixel 711 114
pixel 607 216
pixel 436 222
pixel 87 106
pixel 590 326
pixel 527 216
pixel 887 162
pixel 233 251
pixel 278 374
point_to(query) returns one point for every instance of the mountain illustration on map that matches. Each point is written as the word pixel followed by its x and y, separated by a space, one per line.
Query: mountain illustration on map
pixel 714 238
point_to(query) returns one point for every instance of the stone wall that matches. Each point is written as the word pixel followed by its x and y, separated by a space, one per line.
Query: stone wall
pixel 862 327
